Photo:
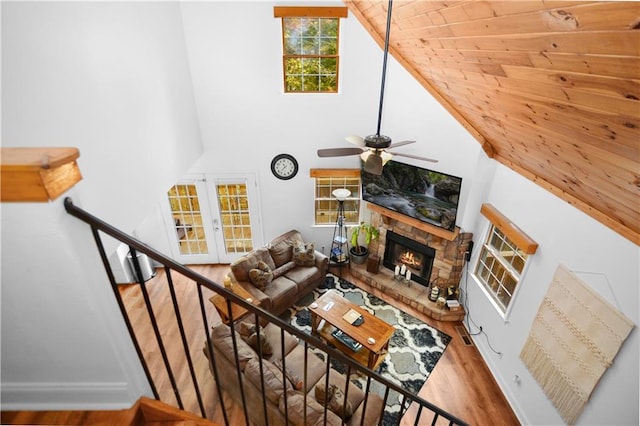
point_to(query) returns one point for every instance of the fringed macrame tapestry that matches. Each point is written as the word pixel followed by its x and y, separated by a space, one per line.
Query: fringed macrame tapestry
pixel 573 340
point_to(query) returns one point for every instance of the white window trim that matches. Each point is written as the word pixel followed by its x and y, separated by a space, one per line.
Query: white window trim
pixel 320 173
pixel 504 314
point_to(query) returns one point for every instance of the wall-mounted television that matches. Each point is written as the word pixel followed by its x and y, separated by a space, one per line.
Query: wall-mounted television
pixel 420 193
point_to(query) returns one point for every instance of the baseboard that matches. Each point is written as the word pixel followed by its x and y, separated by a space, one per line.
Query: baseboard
pixel 35 396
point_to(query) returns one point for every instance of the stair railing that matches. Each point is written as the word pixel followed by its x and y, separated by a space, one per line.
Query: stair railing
pixel 426 412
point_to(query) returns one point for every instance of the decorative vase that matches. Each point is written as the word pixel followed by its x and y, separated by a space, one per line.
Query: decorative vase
pixel 359 257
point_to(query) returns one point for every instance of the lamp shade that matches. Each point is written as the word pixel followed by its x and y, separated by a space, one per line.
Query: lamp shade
pixel 341 193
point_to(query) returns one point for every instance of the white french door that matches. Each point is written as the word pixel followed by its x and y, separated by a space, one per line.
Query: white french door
pixel 236 213
pixel 213 219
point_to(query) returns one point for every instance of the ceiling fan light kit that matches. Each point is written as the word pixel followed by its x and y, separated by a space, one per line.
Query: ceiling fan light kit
pixel 374 160
pixel 372 149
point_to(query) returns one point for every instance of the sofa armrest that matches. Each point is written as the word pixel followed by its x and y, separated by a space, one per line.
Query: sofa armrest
pixel 322 261
pixel 265 301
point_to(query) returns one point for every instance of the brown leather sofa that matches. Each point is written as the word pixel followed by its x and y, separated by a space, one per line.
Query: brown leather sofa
pixel 275 381
pixel 290 279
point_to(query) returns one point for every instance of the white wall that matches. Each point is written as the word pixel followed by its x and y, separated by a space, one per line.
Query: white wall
pixel 609 263
pixel 246 119
pixel 113 80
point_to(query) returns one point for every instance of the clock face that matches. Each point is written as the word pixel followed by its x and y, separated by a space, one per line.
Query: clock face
pixel 284 166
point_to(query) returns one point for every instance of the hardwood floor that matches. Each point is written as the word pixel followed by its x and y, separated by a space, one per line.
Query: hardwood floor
pixel 460 383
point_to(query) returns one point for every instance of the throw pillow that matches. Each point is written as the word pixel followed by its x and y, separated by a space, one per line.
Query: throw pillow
pixel 249 333
pixel 335 400
pixel 261 276
pixel 304 254
pixel 290 374
pixel 280 251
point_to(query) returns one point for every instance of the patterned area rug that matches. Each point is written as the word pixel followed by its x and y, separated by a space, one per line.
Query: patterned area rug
pixel 414 349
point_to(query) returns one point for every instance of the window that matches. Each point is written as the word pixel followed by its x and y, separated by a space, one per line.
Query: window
pixel 310 54
pixel 503 258
pixel 326 205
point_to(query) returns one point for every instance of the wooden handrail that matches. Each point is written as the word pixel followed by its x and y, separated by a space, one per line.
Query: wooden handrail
pixel 37 174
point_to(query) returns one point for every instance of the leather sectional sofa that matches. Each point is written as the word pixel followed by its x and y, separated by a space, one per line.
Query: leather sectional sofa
pixel 275 381
pixel 293 273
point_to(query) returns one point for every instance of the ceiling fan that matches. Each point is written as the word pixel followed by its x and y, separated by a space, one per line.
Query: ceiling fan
pixel 373 148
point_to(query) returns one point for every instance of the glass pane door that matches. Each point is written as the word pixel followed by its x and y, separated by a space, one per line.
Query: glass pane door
pixel 236 212
pixel 213 219
pixel 187 219
pixel 189 224
pixel 235 217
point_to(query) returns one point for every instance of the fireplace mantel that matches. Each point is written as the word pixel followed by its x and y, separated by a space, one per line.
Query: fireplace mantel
pixel 450 248
pixel 415 223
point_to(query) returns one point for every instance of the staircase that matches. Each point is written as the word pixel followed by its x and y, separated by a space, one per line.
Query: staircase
pixel 145 411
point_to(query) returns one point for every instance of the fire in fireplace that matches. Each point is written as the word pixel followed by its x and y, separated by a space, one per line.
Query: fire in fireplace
pixel 411 259
pixel 417 257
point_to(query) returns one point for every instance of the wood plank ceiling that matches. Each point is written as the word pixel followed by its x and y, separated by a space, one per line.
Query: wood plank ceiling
pixel 550 89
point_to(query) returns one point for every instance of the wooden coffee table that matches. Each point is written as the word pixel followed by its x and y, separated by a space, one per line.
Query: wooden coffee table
pixel 371 354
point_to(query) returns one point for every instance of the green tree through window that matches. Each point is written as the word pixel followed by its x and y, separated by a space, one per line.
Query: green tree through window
pixel 310 48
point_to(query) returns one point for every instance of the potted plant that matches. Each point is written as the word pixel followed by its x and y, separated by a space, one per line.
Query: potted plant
pixel 359 252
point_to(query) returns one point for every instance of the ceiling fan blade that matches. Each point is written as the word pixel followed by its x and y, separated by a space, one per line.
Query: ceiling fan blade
pixel 396 144
pixel 417 157
pixel 338 152
pixel 373 164
pixel 356 140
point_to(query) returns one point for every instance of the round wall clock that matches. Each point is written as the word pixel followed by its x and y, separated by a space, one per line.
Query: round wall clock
pixel 284 166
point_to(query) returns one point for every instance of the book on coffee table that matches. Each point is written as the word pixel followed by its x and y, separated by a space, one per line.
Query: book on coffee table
pixel 352 316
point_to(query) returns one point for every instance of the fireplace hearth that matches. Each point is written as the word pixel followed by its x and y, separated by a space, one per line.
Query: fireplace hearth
pixel 445 266
pixel 417 257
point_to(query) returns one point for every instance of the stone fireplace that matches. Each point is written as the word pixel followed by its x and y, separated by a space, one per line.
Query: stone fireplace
pixel 447 263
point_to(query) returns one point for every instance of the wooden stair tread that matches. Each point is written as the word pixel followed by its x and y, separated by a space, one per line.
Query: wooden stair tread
pixel 145 411
pixel 158 413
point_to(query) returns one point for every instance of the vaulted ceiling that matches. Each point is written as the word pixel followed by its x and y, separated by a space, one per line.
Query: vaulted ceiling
pixel 550 89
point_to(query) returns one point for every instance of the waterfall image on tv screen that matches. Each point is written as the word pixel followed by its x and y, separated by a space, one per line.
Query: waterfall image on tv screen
pixel 422 194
